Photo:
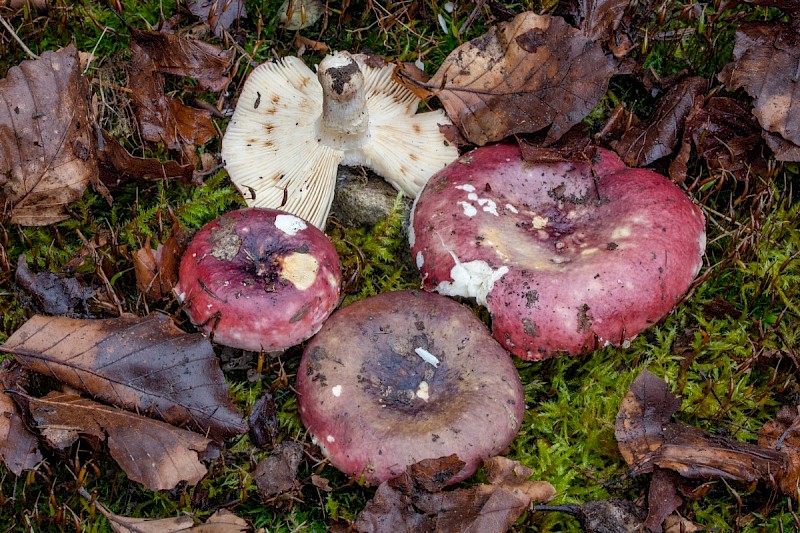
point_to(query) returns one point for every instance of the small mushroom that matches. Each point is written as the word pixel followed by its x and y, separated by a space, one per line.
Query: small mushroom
pixel 567 257
pixel 259 279
pixel 405 376
pixel 292 128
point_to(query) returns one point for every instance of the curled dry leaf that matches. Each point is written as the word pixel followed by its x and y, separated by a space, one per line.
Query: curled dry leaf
pixel 19 449
pixel 521 77
pixel 644 143
pixel 155 454
pixel 220 14
pixel 157 270
pixel 766 55
pixel 53 295
pixel 648 438
pixel 118 166
pixel 46 147
pixel 414 501
pixel 146 365
pixel 220 522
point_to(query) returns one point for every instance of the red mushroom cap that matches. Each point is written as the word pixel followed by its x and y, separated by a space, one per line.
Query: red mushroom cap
pixel 566 256
pixel 259 279
pixel 405 376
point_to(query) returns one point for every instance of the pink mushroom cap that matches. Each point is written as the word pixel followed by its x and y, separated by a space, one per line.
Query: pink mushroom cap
pixel 566 256
pixel 405 376
pixel 259 279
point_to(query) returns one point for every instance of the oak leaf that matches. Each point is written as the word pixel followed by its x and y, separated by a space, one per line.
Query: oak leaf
pixel 155 454
pixel 146 365
pixel 46 147
pixel 522 76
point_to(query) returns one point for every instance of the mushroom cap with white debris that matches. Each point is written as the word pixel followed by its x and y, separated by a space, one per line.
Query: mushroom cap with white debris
pixel 566 256
pixel 292 128
pixel 405 376
pixel 259 279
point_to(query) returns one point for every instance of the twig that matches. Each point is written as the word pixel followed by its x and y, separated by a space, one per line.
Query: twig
pixel 8 27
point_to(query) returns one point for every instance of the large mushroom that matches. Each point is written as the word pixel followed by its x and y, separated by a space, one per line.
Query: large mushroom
pixel 567 257
pixel 405 376
pixel 259 279
pixel 292 128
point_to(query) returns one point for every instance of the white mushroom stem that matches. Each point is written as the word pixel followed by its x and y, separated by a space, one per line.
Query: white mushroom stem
pixel 345 118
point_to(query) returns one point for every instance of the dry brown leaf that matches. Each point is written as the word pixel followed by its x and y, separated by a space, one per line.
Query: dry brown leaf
pixel 155 454
pixel 662 498
pixel 645 143
pixel 182 56
pixel 46 148
pixel 599 19
pixel 162 118
pixel 220 522
pixel 521 77
pixel 19 449
pixel 146 365
pixel 766 55
pixel 157 270
pixel 220 14
pixel 413 502
pixel 118 167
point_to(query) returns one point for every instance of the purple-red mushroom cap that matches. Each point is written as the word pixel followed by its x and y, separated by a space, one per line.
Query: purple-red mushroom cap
pixel 567 257
pixel 259 279
pixel 405 376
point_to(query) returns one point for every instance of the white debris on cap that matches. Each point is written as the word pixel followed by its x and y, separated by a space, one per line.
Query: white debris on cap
pixel 280 152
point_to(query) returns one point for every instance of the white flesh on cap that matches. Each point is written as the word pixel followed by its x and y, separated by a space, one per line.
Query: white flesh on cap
pixel 280 149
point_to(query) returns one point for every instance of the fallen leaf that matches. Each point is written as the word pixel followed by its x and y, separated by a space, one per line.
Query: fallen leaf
pixel 263 421
pixel 182 56
pixel 157 270
pixel 603 516
pixel 146 365
pixel 783 434
pixel 404 505
pixel 643 144
pixel 220 14
pixel 765 59
pixel 648 438
pixel 300 14
pixel 571 146
pixel 53 295
pixel 162 118
pixel 19 448
pixel 599 19
pixel 46 147
pixel 662 498
pixel 520 77
pixel 153 453
pixel 277 474
pixel 118 166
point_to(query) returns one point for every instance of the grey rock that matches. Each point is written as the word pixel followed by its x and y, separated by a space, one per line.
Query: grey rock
pixel 363 199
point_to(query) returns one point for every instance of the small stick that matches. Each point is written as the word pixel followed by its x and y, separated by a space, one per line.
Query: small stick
pixel 8 27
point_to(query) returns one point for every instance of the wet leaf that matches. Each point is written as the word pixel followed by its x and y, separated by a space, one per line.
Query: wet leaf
pixel 162 118
pixel 521 77
pixel 263 421
pixel 145 365
pixel 220 14
pixel 766 55
pixel 118 166
pixel 603 516
pixel 46 147
pixel 277 474
pixel 662 498
pixel 155 454
pixel 573 145
pixel 53 295
pixel 405 504
pixel 643 144
pixel 19 448
pixel 182 56
pixel 599 19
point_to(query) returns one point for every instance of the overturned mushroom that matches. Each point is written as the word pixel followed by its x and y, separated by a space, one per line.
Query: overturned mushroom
pixel 405 376
pixel 292 128
pixel 566 256
pixel 259 279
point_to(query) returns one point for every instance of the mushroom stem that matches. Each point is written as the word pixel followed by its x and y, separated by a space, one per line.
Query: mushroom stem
pixel 344 105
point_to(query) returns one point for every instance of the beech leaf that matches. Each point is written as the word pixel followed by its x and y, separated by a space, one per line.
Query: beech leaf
pixel 155 454
pixel 146 365
pixel 414 501
pixel 19 449
pixel 46 146
pixel 522 76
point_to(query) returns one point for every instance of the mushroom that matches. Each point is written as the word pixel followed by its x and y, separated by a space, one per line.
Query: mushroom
pixel 259 279
pixel 405 376
pixel 566 256
pixel 292 128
